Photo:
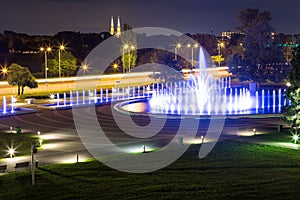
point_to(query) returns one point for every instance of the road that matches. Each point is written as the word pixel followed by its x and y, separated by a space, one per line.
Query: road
pixel 71 83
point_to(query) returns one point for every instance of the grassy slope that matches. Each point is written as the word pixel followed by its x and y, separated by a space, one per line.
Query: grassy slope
pixel 232 170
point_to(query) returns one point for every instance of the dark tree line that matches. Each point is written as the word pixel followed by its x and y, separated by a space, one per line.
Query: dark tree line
pixel 263 59
pixel 79 44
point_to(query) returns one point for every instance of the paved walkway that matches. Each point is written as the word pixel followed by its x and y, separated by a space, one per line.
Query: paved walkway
pixel 64 144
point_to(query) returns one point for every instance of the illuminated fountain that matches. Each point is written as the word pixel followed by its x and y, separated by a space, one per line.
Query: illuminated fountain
pixel 202 94
pixel 4 105
pixel 9 109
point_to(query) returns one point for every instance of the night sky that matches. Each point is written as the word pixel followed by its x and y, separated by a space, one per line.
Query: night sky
pixel 187 16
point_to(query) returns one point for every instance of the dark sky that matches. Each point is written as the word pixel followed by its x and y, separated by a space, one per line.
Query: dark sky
pixel 52 16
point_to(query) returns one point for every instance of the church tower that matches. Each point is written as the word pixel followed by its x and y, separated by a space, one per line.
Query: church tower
pixel 112 26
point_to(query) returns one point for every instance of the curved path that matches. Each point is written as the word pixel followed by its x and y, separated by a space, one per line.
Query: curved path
pixel 64 144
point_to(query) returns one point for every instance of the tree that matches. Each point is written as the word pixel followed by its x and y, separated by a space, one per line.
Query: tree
pixel 128 50
pixel 292 110
pixel 21 77
pixel 68 65
pixel 263 60
pixel 159 58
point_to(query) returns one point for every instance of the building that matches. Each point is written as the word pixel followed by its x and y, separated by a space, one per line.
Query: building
pixel 117 31
pixel 229 34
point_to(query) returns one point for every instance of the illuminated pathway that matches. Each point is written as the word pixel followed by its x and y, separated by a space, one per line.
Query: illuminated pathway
pixel 58 128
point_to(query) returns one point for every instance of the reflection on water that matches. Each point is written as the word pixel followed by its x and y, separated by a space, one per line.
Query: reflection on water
pixel 136 107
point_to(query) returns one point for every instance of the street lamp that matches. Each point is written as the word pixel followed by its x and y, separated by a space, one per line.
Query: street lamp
pixel 177 46
pixel 125 47
pixel 115 66
pixel 195 46
pixel 190 46
pixel 46 66
pixel 85 67
pixel 129 58
pixel 220 45
pixel 61 48
pixel 4 71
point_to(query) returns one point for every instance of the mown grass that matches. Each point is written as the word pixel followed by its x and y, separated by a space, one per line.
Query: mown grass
pixel 233 170
pixel 284 136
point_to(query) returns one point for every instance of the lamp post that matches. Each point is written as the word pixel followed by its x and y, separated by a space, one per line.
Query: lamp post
pixel 126 46
pixel 220 45
pixel 4 71
pixel 177 46
pixel 61 48
pixel 195 46
pixel 129 58
pixel 84 67
pixel 190 46
pixel 46 66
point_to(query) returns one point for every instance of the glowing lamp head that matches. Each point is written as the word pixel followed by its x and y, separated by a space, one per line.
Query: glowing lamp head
pixel 221 44
pixel 4 70
pixel 62 47
pixel 11 152
pixel 85 67
pixel 126 46
pixel 178 45
pixel 115 65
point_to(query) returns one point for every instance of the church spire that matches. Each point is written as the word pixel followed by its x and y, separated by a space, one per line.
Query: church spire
pixel 112 26
pixel 118 28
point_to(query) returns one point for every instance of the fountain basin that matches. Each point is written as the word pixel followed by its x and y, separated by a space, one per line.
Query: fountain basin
pixel 256 104
pixel 18 111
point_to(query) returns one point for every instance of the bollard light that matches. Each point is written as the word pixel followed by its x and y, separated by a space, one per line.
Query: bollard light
pixel 254 131
pixel 295 138
pixel 41 142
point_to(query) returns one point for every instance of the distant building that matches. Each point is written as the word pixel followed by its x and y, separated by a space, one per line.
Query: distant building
pixel 229 34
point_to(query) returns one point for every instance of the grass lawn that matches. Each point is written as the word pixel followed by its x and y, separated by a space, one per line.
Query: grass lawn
pixel 272 136
pixel 233 170
pixel 20 142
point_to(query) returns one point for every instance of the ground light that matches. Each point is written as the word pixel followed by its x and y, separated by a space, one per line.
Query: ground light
pixel 11 152
pixel 139 149
pixel 254 131
pixel 295 138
